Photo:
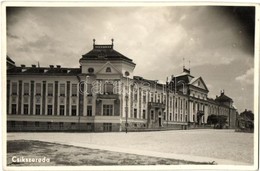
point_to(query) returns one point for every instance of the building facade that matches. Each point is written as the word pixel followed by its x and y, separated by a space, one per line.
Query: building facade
pixel 104 95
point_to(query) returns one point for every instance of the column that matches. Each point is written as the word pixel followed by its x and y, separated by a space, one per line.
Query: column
pixel 32 98
pixel 68 99
pixel 56 97
pixel 81 100
pixel 8 96
pixel 43 97
pixel 20 89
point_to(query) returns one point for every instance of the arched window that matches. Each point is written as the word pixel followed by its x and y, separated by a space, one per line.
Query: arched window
pixel 108 69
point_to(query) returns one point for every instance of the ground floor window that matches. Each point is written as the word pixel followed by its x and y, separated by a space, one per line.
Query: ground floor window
pixel 49 125
pixel 193 118
pixel 175 117
pixel 170 116
pixel 24 124
pixel 73 125
pixel 186 118
pixel 13 124
pixel 61 125
pixel 107 127
pixel 36 124
pixel 89 126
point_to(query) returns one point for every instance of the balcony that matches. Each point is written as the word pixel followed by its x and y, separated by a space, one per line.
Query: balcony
pixel 156 105
pixel 107 96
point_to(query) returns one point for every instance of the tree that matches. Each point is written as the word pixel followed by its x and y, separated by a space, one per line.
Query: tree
pixel 217 120
pixel 246 121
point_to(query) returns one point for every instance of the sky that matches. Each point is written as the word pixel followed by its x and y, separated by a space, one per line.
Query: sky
pixel 218 41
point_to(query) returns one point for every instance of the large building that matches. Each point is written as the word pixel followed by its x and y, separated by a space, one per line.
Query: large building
pixel 104 95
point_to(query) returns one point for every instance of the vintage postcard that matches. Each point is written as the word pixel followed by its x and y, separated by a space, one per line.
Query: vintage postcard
pixel 130 86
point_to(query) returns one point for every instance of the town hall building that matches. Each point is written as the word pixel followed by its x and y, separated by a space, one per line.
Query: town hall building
pixel 103 95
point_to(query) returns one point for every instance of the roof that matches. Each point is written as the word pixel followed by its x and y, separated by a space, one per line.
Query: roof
pixel 101 52
pixel 193 80
pixel 223 98
pixel 43 71
pixel 8 59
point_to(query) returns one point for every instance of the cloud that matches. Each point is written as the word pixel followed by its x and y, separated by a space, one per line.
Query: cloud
pixel 156 38
pixel 247 78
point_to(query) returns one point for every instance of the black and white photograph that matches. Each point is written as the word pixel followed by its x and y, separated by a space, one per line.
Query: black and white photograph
pixel 139 86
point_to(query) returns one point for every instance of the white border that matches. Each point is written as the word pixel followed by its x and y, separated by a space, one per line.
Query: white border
pixel 59 3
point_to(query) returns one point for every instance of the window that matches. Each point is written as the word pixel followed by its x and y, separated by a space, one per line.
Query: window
pixel 170 116
pixel 181 117
pixel 107 110
pixel 155 97
pixel 38 89
pixel 74 89
pixel 151 97
pixel 61 125
pixel 37 109
pixel 49 125
pixel 24 124
pixel 175 117
pixel 13 108
pixel 14 88
pixel 25 109
pixel 107 127
pixel 144 97
pixel 186 118
pixel 181 103
pixel 73 110
pixel 170 101
pixel 135 95
pixel 164 115
pixel 135 113
pixel 152 115
pixel 62 89
pixel 144 113
pixel 13 124
pixel 89 110
pixel 49 109
pixel 89 89
pixel 108 69
pixel 193 118
pixel 62 110
pixel 176 104
pixel 26 89
pixel 36 124
pixel 108 88
pixel 73 125
pixel 50 89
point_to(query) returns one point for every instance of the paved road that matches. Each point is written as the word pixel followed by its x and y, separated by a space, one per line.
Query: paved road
pixel 221 146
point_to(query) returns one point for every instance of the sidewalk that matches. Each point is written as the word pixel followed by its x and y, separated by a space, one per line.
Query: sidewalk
pixel 140 152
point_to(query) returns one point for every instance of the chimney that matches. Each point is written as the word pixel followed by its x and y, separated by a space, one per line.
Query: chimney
pixel 51 66
pixel 22 65
pixel 58 66
pixel 34 66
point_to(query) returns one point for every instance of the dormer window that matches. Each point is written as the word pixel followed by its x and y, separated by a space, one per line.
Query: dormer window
pixel 108 69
